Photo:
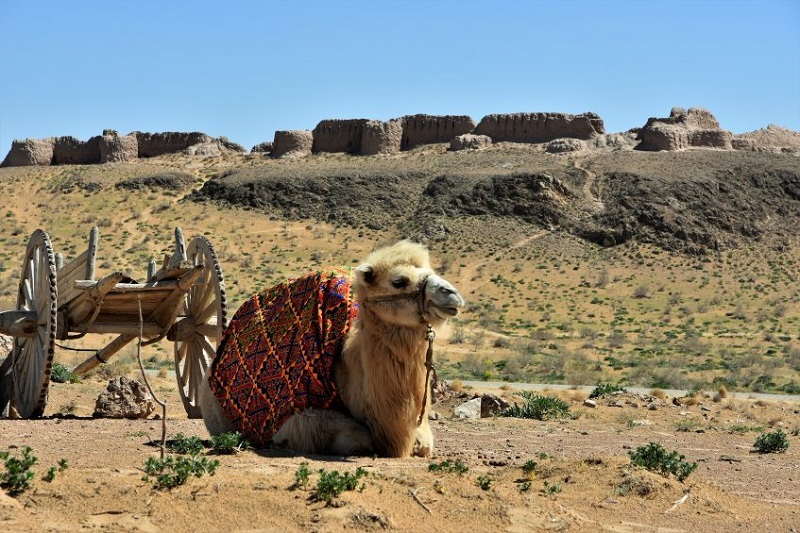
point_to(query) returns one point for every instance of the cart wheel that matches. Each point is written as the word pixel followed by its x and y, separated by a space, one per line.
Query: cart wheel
pixel 202 322
pixel 33 356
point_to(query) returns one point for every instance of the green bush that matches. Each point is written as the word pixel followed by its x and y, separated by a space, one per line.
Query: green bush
pixel 228 443
pixel 184 445
pixel 301 476
pixel 485 482
pixel 332 484
pixel 775 442
pixel 605 388
pixel 173 471
pixel 18 474
pixel 655 458
pixel 457 467
pixel 61 374
pixel 537 407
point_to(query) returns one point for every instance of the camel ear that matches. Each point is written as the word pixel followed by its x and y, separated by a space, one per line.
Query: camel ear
pixel 366 272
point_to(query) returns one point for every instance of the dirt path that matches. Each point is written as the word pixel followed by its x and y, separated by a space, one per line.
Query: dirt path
pixel 595 204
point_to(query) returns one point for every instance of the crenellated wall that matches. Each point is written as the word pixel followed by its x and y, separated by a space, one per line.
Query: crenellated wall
pixel 336 135
pixel 429 129
pixel 539 127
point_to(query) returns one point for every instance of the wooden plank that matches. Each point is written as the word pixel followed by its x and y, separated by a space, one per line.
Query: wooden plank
pixel 93 300
pixel 78 264
pixel 149 329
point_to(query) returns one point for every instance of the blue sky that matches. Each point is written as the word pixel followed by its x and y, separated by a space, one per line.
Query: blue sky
pixel 247 68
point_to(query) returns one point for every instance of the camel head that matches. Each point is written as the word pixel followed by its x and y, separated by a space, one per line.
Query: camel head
pixel 398 285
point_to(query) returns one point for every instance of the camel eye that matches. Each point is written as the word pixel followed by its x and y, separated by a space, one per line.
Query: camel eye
pixel 400 283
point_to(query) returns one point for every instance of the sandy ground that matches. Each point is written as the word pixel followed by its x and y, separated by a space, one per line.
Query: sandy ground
pixel 584 462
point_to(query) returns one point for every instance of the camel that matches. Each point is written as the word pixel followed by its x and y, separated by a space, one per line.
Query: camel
pixel 380 370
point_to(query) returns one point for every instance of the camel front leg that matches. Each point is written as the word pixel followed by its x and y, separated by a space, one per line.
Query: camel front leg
pixel 423 440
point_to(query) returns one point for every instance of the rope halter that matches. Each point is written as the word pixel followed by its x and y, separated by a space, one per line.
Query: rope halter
pixel 430 335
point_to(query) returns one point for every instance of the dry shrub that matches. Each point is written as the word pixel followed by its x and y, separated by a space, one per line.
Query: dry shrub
pixel 457 385
pixel 658 393
pixel 577 395
pixel 691 400
pixel 722 393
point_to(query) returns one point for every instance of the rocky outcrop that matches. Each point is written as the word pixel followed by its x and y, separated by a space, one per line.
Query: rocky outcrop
pixel 169 142
pixel 381 138
pixel 562 146
pixel 215 147
pixel 292 143
pixel 339 136
pixel 773 139
pixel 615 141
pixel 429 129
pixel 30 152
pixel 468 141
pixel 539 127
pixel 262 148
pixel 124 398
pixel 695 128
pixel 116 148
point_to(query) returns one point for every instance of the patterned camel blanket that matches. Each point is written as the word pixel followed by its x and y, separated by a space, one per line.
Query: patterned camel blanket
pixel 277 355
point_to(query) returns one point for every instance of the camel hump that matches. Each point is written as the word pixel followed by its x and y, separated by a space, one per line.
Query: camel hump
pixel 277 355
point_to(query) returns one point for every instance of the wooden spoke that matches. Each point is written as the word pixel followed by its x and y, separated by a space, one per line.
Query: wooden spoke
pixel 33 356
pixel 206 308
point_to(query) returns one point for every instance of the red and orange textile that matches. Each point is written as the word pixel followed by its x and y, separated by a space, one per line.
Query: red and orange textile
pixel 277 355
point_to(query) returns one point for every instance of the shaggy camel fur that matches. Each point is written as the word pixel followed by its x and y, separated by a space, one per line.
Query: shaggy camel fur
pixel 381 375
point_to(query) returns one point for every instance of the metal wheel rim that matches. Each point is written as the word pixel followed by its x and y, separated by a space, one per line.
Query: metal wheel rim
pixel 206 305
pixel 33 356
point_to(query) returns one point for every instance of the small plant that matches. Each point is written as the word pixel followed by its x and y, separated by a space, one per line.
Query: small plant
pixel 68 408
pixel 61 374
pixel 548 488
pixel 18 474
pixel 228 443
pixel 605 388
pixel 524 485
pixel 529 468
pixel 537 407
pixel 485 482
pixel 184 445
pixel 655 458
pixel 173 471
pixel 50 475
pixel 301 476
pixel 774 442
pixel 741 429
pixel 452 467
pixel 332 484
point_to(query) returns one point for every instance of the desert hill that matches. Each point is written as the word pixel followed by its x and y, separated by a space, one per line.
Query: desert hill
pixel 670 269
pixel 695 202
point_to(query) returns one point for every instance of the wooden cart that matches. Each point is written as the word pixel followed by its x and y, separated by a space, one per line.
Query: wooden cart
pixel 183 301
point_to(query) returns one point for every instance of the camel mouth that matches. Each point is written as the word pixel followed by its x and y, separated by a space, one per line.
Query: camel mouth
pixel 444 312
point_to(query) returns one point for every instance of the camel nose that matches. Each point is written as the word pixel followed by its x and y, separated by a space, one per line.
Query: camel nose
pixel 442 292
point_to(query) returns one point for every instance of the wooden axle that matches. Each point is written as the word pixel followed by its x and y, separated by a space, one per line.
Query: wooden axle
pixel 102 355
